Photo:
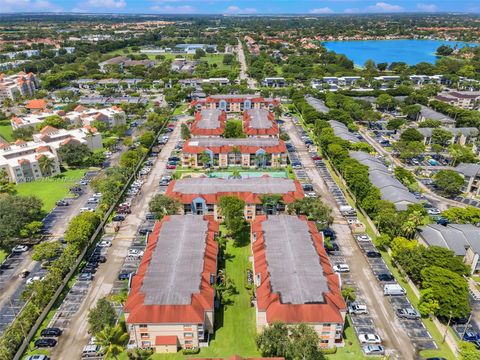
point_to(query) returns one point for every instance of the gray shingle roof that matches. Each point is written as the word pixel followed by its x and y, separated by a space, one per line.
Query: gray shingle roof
pixel 340 130
pixel 293 262
pixel 259 119
pixel 455 237
pixel 209 119
pixel 468 169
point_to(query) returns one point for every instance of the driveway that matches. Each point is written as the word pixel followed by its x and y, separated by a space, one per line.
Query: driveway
pixel 75 337
pixel 396 341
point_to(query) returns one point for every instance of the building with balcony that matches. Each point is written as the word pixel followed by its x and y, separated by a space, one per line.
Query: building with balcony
pixel 275 82
pixel 463 99
pixel 235 103
pixel 461 136
pixel 209 122
pixel 201 195
pixel 170 304
pixel 260 122
pixel 14 86
pixel 471 176
pixel 245 152
pixel 294 280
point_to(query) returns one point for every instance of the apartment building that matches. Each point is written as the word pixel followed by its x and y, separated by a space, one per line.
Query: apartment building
pixel 260 122
pixel 201 195
pixel 294 280
pixel 124 62
pixel 170 304
pixel 21 84
pixel 199 82
pixel 209 122
pixel 245 152
pixel 59 137
pixel 462 136
pixel 341 130
pixel 463 99
pixel 80 116
pixel 274 82
pixel 235 103
pixel 471 175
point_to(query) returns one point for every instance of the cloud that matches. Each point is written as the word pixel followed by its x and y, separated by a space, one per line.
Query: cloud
pixel 237 10
pixel 324 10
pixel 28 5
pixel 384 7
pixel 427 7
pixel 100 4
pixel 169 9
pixel 351 11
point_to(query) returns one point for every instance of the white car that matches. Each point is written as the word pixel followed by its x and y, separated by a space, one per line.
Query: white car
pixel 34 278
pixel 20 249
pixel 135 253
pixel 357 309
pixel 433 211
pixel 93 200
pixel 86 209
pixel 341 268
pixel 105 243
pixel 363 237
pixel 369 339
pixel 373 350
pixel 97 195
pixel 311 194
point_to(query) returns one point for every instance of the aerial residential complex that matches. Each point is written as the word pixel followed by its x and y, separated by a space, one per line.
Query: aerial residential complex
pixel 171 298
pixel 21 84
pixel 247 152
pixel 294 280
pixel 235 103
pixel 201 195
pixel 209 122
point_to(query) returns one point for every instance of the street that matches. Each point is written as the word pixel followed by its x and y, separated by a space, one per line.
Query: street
pixel 75 337
pixel 386 323
pixel 243 66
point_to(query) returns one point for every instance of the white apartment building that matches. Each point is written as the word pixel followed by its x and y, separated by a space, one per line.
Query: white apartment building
pixel 22 160
pixel 21 84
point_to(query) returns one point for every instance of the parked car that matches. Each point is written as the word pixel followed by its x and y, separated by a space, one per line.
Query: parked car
pixel 61 203
pixel 37 357
pixel 85 276
pixel 105 243
pixel 135 252
pixel 373 350
pixel 171 167
pixel 369 338
pixel 24 273
pixel 118 218
pixel 471 336
pixel 47 342
pixel 433 211
pixel 331 247
pixel 408 313
pixel 98 258
pixel 150 216
pixel 34 278
pixel 373 254
pixel 341 268
pixel 19 249
pixel 92 351
pixel 393 290
pixel 124 275
pixel 385 277
pixel 357 309
pixel 363 237
pixel 51 332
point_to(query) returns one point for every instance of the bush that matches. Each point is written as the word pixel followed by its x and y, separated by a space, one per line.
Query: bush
pixel 190 351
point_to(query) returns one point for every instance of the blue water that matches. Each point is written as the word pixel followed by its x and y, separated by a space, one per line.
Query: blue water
pixel 409 51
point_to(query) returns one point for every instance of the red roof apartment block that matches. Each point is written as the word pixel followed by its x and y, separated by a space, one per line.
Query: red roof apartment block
pixel 260 122
pixel 226 146
pixel 210 190
pixel 234 102
pixel 209 122
pixel 173 281
pixel 295 282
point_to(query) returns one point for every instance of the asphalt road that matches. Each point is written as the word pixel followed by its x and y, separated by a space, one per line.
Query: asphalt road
pixel 388 327
pixel 74 338
pixel 243 66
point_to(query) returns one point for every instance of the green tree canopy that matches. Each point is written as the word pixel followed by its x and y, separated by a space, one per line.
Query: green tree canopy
pixel 448 182
pixel 74 153
pixel 162 205
pixel 102 315
pixel 233 129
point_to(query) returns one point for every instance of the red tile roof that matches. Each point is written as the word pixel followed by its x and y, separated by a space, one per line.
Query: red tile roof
pixel 48 130
pixel 251 131
pixel 166 340
pixel 197 131
pixel 235 99
pixel 226 149
pixel 36 104
pixel 328 312
pixel 248 197
pixel 139 313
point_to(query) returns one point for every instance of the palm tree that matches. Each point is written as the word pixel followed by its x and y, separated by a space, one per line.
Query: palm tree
pixel 46 165
pixel 139 354
pixel 112 339
pixel 410 225
pixel 236 152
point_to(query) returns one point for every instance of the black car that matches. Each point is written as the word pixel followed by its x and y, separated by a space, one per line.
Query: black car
pixel 89 269
pixel 51 332
pixel 173 158
pixel 123 275
pixel 329 233
pixel 61 203
pixel 47 342
pixel 118 218
pixel 150 216
pixel 332 247
pixel 385 277
pixel 307 187
pixel 373 254
pixel 98 258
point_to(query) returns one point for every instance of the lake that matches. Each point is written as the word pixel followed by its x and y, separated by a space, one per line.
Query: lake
pixel 409 51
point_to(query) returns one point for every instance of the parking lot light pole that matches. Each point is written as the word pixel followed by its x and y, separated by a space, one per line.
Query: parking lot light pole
pixel 466 326
pixel 446 328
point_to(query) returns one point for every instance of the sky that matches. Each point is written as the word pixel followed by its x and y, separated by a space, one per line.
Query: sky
pixel 240 6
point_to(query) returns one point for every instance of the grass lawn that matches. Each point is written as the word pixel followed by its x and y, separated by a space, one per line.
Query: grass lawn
pixel 6 132
pixel 180 109
pixel 3 255
pixel 352 349
pixel 51 189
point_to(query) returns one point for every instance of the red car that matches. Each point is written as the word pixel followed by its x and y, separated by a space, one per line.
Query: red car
pixel 171 167
pixel 317 158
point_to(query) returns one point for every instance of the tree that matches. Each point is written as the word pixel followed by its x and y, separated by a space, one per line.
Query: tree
pixel 228 59
pixel 185 132
pixel 232 210
pixel 461 154
pixel 409 149
pixel 233 129
pixel 458 215
pixel 441 137
pixel 16 212
pixel 386 102
pixel 54 120
pixel 468 351
pixel 429 123
pixel 112 339
pixel 6 186
pixel 162 205
pixel 314 208
pixel 395 124
pixel 74 153
pixel 199 53
pixel 448 182
pixel 411 134
pixel 205 158
pixel 274 340
pixel 428 305
pixel 449 289
pixel 139 354
pixel 46 164
pixel 409 226
pixel 349 293
pixel 102 315
pixel 131 158
pixel 81 228
pixel 444 50
pixel 46 250
pixel 31 229
pixel 147 138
